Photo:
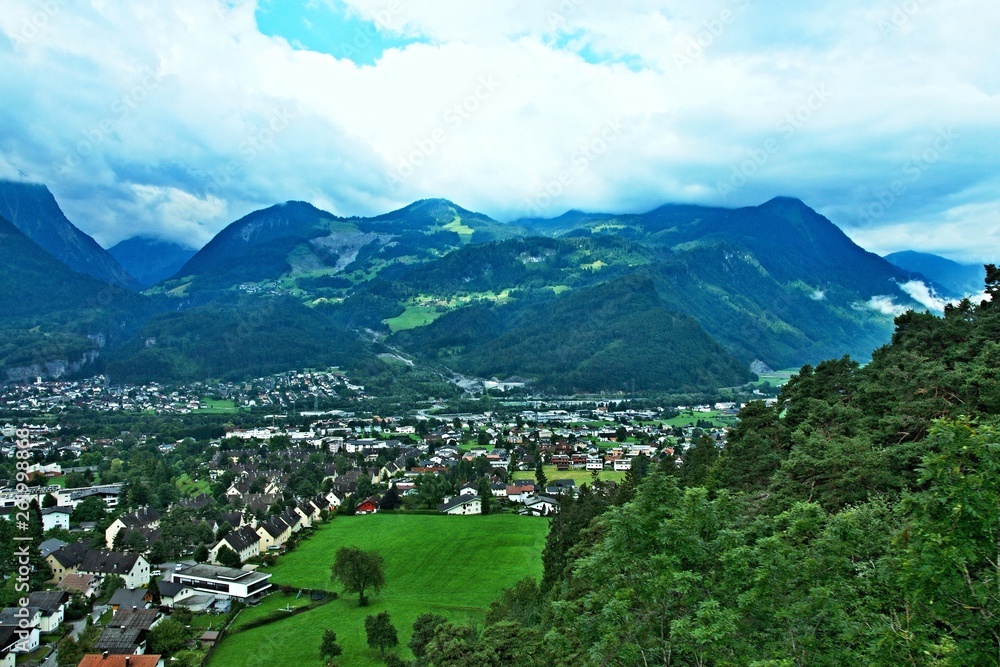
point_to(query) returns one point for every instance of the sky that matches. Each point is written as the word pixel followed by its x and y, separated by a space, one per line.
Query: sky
pixel 173 118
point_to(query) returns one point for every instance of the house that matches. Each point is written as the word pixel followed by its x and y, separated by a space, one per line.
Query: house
pixel 242 585
pixel 52 605
pixel 144 517
pixel 559 487
pixel 463 504
pixel 621 465
pixel 519 491
pixel 119 660
pixel 24 621
pixel 273 534
pixel 86 585
pixel 540 506
pixel 292 519
pixel 123 641
pixel 468 489
pixel 66 560
pixel 245 542
pixel 171 592
pixel 595 463
pixel 133 568
pixel 369 505
pixel 50 545
pixel 127 631
pixel 8 645
pixel 128 598
pixel 56 517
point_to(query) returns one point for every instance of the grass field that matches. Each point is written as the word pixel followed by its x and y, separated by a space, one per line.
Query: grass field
pixel 690 418
pixel 218 407
pixel 413 317
pixel 191 487
pixel 578 476
pixel 453 566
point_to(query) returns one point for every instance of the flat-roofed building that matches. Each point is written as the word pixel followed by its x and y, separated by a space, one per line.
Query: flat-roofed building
pixel 242 585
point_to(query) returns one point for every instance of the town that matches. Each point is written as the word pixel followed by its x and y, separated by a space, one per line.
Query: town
pixel 142 533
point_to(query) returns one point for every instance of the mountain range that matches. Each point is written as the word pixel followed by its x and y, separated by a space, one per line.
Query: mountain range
pixel 681 298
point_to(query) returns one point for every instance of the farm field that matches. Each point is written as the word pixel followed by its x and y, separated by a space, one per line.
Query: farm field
pixel 453 566
pixel 578 476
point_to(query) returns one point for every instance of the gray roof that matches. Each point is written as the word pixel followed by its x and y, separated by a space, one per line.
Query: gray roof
pixel 169 589
pixel 50 545
pixel 118 640
pixel 128 598
pixel 458 501
pixel 48 601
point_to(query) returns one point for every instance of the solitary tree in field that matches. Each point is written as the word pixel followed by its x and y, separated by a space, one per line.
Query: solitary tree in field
pixel 381 632
pixel 358 570
pixel 329 648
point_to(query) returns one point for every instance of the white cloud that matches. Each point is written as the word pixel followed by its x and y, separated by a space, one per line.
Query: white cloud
pixel 924 295
pixel 886 305
pixel 185 98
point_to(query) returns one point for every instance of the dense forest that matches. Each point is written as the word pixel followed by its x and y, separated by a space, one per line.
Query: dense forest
pixel 856 522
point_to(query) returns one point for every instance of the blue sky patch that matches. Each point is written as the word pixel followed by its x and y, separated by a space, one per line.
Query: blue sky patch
pixel 327 27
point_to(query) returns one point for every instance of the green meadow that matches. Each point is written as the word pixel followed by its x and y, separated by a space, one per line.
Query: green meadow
pixel 449 565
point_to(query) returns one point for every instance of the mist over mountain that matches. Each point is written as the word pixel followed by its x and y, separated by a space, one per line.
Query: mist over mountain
pixel 150 260
pixel 959 280
pixel 34 211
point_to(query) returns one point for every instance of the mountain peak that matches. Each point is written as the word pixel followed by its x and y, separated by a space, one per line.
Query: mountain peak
pixel 33 210
pixel 786 202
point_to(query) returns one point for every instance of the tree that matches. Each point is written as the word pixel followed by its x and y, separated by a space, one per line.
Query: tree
pixel 154 590
pixel 329 648
pixel 49 501
pixel 69 653
pixel 201 553
pixel 228 557
pixel 167 637
pixel 423 631
pixel 381 632
pixel 111 583
pixel 158 552
pixel 540 477
pixel 390 499
pixel 358 571
pixel 485 495
pixel 90 509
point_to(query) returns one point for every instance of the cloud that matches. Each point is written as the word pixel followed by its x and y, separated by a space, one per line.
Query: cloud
pixel 189 100
pixel 886 305
pixel 924 295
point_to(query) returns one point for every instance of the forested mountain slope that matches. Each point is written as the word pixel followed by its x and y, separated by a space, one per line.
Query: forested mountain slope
pixel 856 522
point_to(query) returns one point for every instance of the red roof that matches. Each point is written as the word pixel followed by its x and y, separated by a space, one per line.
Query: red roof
pixel 98 660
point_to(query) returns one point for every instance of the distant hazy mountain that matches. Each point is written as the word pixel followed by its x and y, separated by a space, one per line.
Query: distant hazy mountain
pixel 33 210
pixel 959 279
pixel 150 260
